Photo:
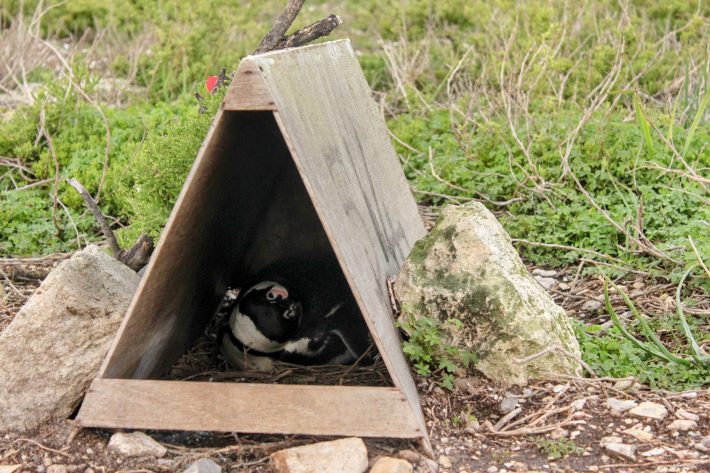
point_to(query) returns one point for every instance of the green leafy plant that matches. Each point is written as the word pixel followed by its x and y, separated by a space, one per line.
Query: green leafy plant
pixel 429 350
pixel 558 448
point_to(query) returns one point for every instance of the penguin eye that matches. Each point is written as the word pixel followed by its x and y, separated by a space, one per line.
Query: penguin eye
pixel 271 296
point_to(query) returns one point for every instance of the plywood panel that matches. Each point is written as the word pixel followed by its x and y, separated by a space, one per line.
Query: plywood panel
pixel 248 90
pixel 223 201
pixel 259 408
pixel 340 145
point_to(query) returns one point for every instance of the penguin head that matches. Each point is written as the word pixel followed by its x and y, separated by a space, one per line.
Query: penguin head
pixel 274 312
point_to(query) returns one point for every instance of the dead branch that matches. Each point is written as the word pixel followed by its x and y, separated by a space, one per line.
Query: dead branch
pixel 105 228
pixel 283 23
pixel 138 255
pixel 310 33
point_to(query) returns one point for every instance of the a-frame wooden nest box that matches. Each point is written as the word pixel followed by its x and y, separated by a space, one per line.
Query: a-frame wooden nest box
pixel 298 161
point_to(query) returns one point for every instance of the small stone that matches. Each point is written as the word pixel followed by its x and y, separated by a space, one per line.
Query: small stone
pixel 465 385
pixel 57 469
pixel 391 465
pixel 682 424
pixel 9 468
pixel 204 465
pixel 545 273
pixel 638 285
pixel 409 455
pixel 564 286
pixel 135 444
pixel 639 434
pixel 591 305
pixel 508 404
pixel 492 469
pixel 578 405
pixel 683 414
pixel 704 444
pixel 39 469
pixel 627 385
pixel 654 452
pixel 621 449
pixel 620 405
pixel 650 410
pixel 445 461
pixel 547 283
pixel 348 455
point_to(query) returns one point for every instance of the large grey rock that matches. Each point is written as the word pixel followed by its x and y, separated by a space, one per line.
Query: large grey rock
pixel 347 455
pixel 53 348
pixel 467 276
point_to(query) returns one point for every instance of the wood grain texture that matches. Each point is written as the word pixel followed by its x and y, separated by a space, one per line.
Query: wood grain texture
pixel 251 408
pixel 248 90
pixel 340 145
pixel 212 225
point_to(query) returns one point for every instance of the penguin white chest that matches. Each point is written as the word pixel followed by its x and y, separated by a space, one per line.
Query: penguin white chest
pixel 245 330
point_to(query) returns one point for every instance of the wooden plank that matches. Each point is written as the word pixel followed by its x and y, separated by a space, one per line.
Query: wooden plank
pixel 203 242
pixel 248 408
pixel 339 142
pixel 248 90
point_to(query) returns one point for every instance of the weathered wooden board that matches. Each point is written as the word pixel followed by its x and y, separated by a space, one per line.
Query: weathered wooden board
pixel 248 90
pixel 251 408
pixel 340 145
pixel 213 223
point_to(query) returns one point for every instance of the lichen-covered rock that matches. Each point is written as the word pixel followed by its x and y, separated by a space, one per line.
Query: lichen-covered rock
pixel 467 270
pixel 53 348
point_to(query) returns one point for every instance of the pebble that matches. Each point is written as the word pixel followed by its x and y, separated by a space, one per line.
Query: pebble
pixel 547 283
pixel 564 286
pixel 654 452
pixel 591 306
pixel 391 465
pixel 683 414
pixel 621 449
pixel 578 405
pixel 135 444
pixel 704 444
pixel 651 410
pixel 445 461
pixel 639 434
pixel 492 469
pixel 204 465
pixel 57 469
pixel 508 404
pixel 620 405
pixel 683 424
pixel 545 273
pixel 409 455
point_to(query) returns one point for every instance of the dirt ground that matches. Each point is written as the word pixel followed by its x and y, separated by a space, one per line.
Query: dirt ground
pixel 555 425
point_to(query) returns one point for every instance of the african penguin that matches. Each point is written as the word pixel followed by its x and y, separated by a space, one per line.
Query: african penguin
pixel 300 312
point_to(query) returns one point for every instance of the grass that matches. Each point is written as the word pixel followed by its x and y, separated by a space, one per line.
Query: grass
pixel 584 126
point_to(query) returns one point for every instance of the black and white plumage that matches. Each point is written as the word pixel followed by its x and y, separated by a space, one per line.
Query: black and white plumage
pixel 297 312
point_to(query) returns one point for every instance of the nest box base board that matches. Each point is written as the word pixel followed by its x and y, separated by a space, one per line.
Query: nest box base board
pixel 249 408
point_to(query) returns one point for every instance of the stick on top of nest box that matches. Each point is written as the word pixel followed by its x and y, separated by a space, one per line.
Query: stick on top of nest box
pixel 277 39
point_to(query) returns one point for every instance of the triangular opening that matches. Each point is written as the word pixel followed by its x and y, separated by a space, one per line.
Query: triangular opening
pixel 280 225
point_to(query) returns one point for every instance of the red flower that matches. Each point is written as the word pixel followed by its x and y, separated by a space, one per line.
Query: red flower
pixel 211 83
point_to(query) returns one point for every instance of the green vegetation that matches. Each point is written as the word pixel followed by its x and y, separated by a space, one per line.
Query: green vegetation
pixel 428 351
pixel 558 448
pixel 583 126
